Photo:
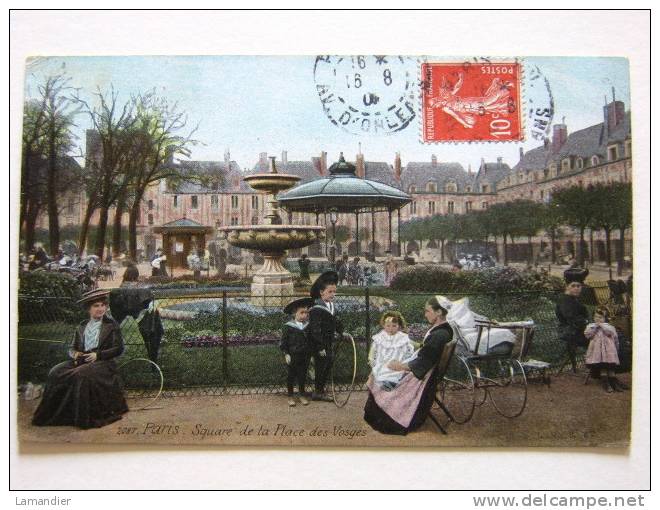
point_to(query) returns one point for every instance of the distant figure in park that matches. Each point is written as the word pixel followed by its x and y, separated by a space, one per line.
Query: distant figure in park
pixel 158 264
pixel 132 274
pixel 456 267
pixel 391 268
pixel 355 272
pixel 572 315
pixel 86 391
pixel 194 262
pixel 602 355
pixel 341 266
pixel 303 264
pixel 391 343
pixel 296 348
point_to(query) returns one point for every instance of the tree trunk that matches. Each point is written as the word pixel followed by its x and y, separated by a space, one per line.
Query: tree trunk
pixel 608 252
pixel 116 227
pixel 591 246
pixel 580 254
pixel 506 255
pixel 31 216
pixel 53 216
pixel 530 251
pixel 99 244
pixel 84 228
pixel 553 251
pixel 622 245
pixel 442 250
pixel 132 228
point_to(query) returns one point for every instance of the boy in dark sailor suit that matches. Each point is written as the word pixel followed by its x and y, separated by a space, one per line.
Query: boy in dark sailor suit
pixel 295 346
pixel 323 326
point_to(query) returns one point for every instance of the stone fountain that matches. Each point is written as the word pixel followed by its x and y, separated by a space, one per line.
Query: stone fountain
pixel 272 284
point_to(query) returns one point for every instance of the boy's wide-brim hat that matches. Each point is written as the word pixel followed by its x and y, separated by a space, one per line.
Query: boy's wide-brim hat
pixel 576 274
pixel 298 303
pixel 94 295
pixel 328 277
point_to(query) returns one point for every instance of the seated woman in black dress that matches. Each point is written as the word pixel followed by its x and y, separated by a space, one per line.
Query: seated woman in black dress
pixel 406 407
pixel 572 316
pixel 86 391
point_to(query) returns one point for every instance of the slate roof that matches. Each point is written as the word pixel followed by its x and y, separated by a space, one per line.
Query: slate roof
pixel 582 143
pixel 420 173
pixel 380 171
pixel 229 178
pixel 491 173
pixel 303 169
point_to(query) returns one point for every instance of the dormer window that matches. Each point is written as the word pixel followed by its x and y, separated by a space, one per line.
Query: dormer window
pixel 412 189
pixel 431 187
pixel 546 173
pixel 553 170
pixel 485 188
pixel 450 187
pixel 521 177
pixel 565 165
pixel 579 162
pixel 613 152
pixel 468 189
pixel 628 148
pixel 594 160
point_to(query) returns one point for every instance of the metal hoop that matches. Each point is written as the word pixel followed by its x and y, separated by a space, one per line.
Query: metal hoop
pixel 162 381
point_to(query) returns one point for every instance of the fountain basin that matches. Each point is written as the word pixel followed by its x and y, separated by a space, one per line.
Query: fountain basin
pixel 271 183
pixel 273 238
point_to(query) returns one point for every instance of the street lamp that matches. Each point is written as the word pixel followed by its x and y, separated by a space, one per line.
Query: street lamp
pixel 333 222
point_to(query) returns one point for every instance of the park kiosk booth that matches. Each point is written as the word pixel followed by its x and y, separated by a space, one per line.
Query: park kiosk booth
pixel 180 238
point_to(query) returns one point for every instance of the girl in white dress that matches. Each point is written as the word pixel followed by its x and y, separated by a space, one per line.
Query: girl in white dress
pixel 391 343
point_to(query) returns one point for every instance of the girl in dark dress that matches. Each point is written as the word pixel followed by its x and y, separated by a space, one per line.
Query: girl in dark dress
pixel 86 391
pixel 406 407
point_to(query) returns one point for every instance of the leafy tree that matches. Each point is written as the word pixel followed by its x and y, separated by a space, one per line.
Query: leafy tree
pixel 157 136
pixel 622 206
pixel 576 208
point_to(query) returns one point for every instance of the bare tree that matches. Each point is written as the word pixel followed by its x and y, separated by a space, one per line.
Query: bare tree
pixel 113 124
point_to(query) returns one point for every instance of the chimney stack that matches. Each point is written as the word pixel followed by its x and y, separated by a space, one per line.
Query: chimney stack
pixel 559 136
pixel 434 160
pixel 482 167
pixel 263 158
pixel 522 153
pixel 397 167
pixel 546 142
pixel 227 157
pixel 324 163
pixel 499 162
pixel 613 114
pixel 284 158
pixel 359 165
pixel 469 168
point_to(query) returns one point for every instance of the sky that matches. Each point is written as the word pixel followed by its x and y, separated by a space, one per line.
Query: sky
pixel 253 104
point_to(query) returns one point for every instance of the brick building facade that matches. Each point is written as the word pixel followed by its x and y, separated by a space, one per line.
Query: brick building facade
pixel 598 153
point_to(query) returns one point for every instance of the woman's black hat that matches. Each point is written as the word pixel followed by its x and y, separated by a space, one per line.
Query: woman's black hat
pixel 327 278
pixel 575 274
pixel 291 308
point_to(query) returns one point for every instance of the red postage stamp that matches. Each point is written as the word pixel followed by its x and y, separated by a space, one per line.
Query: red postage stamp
pixel 471 102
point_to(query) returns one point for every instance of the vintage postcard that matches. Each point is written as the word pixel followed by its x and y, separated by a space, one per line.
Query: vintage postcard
pixel 329 250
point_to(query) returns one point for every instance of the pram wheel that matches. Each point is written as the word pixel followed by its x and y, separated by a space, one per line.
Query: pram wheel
pixel 456 391
pixel 506 385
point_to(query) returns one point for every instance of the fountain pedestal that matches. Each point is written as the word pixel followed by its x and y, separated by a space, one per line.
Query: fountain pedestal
pixel 272 285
